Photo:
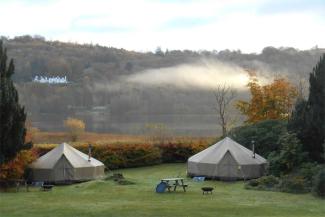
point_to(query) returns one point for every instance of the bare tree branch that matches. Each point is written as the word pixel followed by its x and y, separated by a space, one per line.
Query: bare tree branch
pixel 224 95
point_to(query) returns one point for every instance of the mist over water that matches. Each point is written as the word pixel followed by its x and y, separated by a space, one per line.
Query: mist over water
pixel 203 75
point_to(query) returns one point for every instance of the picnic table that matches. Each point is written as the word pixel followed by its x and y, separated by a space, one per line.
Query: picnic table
pixel 174 183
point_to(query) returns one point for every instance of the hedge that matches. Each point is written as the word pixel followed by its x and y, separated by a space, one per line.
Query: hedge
pixel 116 156
pixel 179 152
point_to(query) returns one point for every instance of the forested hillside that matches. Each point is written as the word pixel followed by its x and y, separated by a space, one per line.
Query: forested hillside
pixel 115 90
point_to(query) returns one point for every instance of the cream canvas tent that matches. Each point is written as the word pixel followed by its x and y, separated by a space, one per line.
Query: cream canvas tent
pixel 66 164
pixel 226 160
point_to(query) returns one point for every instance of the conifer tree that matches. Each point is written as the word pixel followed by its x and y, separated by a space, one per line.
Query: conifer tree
pixel 308 119
pixel 12 115
pixel 297 120
pixel 315 116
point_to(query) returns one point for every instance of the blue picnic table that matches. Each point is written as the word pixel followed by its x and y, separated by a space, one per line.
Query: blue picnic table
pixel 173 183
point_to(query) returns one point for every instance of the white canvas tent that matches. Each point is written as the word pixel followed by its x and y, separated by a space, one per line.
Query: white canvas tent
pixel 66 164
pixel 226 160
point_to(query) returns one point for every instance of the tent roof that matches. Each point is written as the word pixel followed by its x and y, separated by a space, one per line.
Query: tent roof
pixel 76 158
pixel 214 153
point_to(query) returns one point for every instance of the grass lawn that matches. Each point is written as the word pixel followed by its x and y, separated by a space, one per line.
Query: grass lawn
pixel 106 198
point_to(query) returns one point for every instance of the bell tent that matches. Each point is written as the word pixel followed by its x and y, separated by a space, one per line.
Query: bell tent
pixel 226 160
pixel 66 164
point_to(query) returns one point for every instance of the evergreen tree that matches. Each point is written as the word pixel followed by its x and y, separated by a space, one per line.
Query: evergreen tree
pixel 296 123
pixel 12 115
pixel 315 111
pixel 308 118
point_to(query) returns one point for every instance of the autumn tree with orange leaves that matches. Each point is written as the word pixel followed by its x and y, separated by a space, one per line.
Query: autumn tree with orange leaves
pixel 75 127
pixel 268 102
pixel 15 168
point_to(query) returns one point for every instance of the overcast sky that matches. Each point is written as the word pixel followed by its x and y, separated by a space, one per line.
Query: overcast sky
pixel 142 25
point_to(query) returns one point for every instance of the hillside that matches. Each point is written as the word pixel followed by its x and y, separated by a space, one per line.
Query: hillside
pixel 115 90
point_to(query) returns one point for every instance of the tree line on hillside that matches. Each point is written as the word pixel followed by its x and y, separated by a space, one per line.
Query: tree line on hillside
pixel 76 61
pixel 91 69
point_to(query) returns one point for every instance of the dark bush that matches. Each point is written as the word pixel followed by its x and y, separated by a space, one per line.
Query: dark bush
pixel 289 156
pixel 319 184
pixel 275 167
pixel 263 183
pixel 253 182
pixel 308 171
pixel 299 181
pixel 179 152
pixel 293 184
pixel 265 135
pixel 268 181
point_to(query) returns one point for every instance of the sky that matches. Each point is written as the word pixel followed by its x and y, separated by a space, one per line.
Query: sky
pixel 143 25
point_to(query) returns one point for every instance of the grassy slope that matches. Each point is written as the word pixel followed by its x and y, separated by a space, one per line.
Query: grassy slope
pixel 105 198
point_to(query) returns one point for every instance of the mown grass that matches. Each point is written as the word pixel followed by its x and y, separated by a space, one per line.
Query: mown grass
pixel 106 198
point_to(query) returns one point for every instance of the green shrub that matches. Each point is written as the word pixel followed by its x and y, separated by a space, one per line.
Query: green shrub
pixel 263 183
pixel 308 171
pixel 289 156
pixel 293 184
pixel 298 181
pixel 319 184
pixel 275 166
pixel 268 181
pixel 290 184
pixel 265 134
pixel 253 183
pixel 179 152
